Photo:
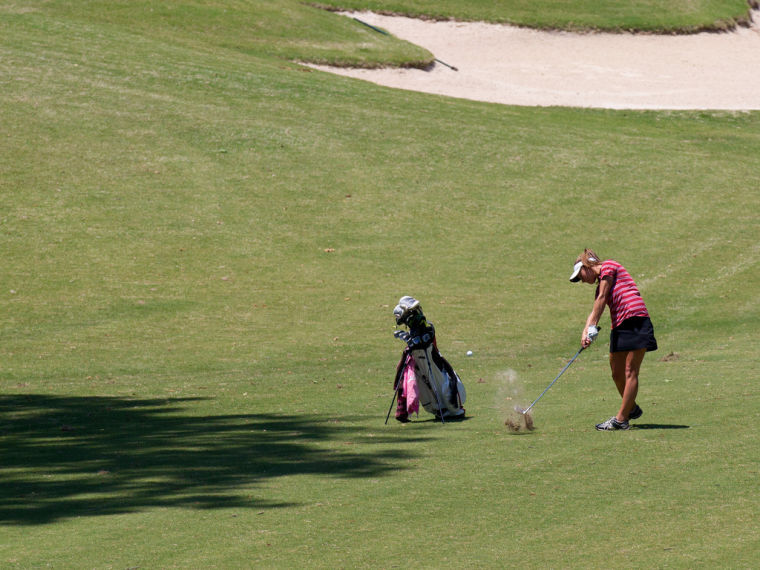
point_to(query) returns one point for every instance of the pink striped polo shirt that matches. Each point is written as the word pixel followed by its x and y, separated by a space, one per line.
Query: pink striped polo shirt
pixel 624 300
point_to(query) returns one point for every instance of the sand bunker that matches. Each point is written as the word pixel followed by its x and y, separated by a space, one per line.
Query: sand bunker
pixel 517 66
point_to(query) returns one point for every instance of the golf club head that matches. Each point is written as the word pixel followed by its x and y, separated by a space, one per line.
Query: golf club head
pixel 516 425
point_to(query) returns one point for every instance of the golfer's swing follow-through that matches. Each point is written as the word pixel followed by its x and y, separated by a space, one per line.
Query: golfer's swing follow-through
pixel 632 334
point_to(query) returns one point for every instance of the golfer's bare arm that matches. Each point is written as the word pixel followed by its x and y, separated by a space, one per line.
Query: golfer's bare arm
pixel 605 286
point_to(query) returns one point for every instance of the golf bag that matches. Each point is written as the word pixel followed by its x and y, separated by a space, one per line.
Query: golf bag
pixel 423 376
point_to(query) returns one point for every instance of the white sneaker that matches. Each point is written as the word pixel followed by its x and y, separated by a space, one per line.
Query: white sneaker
pixel 612 424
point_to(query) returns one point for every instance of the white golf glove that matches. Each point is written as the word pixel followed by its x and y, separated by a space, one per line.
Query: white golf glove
pixel 593 332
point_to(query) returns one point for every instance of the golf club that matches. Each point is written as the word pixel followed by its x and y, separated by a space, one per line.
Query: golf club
pixel 524 412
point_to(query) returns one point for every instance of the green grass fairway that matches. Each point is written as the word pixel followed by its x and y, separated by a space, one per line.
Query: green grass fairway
pixel 202 245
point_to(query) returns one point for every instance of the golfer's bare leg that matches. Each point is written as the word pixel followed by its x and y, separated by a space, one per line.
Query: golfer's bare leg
pixel 625 368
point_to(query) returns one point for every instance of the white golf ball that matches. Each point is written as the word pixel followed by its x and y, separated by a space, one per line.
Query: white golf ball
pixel 469 353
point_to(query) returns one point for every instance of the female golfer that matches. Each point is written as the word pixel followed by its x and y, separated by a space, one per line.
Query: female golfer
pixel 632 333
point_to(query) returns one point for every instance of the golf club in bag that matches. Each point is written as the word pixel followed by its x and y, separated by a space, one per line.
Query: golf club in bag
pixel 423 376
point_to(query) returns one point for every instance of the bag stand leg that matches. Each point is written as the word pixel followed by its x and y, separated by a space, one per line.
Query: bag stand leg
pixel 395 393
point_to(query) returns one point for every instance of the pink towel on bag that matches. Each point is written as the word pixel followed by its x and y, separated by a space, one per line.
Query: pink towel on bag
pixel 410 387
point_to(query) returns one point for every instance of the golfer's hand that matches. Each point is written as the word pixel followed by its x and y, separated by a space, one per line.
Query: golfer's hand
pixel 589 335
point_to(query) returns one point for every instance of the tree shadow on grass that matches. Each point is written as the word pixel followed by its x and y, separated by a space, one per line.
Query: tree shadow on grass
pixel 63 457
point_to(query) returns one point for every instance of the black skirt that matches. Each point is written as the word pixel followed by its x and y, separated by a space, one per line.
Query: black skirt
pixel 634 333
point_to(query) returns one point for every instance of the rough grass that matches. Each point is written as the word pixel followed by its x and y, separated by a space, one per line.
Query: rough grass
pixel 653 16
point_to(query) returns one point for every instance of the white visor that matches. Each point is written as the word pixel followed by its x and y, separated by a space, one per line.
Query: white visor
pixel 576 276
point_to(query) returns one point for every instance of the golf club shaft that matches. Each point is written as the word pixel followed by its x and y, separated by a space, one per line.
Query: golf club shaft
pixel 553 381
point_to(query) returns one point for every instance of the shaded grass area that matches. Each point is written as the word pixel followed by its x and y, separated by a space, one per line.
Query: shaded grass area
pixel 66 457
